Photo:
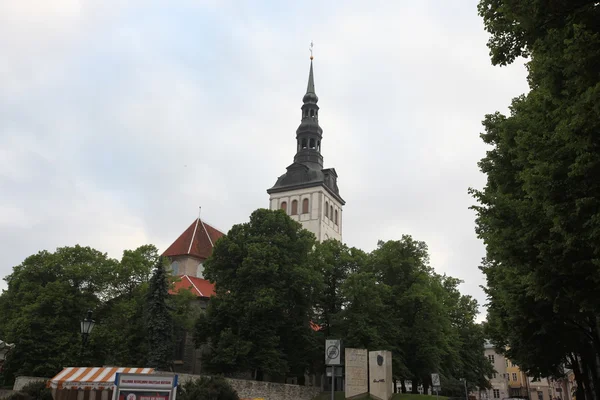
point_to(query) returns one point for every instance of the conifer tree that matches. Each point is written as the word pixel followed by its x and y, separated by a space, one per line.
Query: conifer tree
pixel 159 323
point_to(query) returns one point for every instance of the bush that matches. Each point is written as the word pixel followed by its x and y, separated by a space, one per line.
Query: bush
pixel 32 391
pixel 19 396
pixel 37 391
pixel 207 388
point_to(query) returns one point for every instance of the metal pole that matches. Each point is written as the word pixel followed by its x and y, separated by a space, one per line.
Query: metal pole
pixel 332 382
pixel 466 391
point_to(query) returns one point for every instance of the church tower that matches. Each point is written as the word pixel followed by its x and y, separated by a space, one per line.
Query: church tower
pixel 307 191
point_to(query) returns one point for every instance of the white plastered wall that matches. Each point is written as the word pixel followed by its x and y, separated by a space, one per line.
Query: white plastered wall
pixel 315 220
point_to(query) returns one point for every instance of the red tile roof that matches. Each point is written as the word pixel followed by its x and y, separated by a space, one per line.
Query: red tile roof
pixel 198 286
pixel 197 240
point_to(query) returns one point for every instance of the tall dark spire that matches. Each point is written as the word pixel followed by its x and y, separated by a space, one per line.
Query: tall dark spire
pixel 307 169
pixel 309 133
pixel 310 89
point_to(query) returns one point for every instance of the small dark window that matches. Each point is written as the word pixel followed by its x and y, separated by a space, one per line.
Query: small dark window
pixel 335 220
pixel 312 143
pixel 305 206
pixel 303 143
pixel 284 206
pixel 319 145
pixel 327 209
pixel 294 207
pixel 331 212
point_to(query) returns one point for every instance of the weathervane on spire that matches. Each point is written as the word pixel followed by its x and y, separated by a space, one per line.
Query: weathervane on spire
pixel 311 50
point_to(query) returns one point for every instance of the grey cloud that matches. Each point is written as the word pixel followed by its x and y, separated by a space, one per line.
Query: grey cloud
pixel 117 145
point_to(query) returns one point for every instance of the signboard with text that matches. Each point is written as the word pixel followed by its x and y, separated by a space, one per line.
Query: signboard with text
pixel 145 387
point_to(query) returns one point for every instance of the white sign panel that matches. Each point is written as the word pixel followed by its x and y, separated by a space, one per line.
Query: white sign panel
pixel 146 381
pixel 357 372
pixel 435 380
pixel 333 353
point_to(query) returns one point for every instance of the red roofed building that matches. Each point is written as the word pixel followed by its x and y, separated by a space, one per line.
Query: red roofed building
pixel 198 286
pixel 187 255
pixel 189 251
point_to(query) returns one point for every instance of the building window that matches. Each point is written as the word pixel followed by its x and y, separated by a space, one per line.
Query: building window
pixel 294 207
pixel 491 358
pixel 284 206
pixel 175 268
pixel 305 206
pixel 327 209
pixel 540 395
pixel 331 212
pixel 335 220
pixel 496 393
pixel 506 363
pixel 304 143
pixel 514 376
pixel 312 144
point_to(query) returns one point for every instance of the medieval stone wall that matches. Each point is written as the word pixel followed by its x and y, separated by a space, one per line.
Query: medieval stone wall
pixel 248 389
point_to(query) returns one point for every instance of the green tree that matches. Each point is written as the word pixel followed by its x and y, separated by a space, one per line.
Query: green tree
pixel 539 213
pixel 47 296
pixel 335 262
pixel 159 321
pixel 260 318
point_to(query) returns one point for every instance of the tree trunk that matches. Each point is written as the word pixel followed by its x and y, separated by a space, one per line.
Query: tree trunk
pixel 425 387
pixel 402 386
pixel 585 373
pixel 580 393
pixel 415 384
pixel 395 385
pixel 260 375
pixel 302 380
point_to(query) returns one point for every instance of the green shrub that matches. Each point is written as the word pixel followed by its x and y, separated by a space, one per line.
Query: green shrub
pixel 37 391
pixel 207 388
pixel 19 396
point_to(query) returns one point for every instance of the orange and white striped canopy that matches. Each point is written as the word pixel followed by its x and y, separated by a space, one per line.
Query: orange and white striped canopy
pixel 91 377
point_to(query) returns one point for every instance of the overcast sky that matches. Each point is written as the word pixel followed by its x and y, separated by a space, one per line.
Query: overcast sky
pixel 118 120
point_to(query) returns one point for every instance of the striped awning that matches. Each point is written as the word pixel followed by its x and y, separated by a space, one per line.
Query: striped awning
pixel 91 377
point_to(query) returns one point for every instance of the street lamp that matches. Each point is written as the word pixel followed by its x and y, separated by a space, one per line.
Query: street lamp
pixel 86 328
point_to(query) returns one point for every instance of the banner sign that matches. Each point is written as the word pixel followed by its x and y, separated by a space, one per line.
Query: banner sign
pixel 145 387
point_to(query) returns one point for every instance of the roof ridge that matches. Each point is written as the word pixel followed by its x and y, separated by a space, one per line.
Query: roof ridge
pixel 207 235
pixel 204 222
pixel 194 285
pixel 193 235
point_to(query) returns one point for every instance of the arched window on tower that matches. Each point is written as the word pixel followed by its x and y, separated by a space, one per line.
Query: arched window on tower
pixel 312 113
pixel 305 206
pixel 331 212
pixel 335 220
pixel 312 143
pixel 319 145
pixel 304 143
pixel 284 206
pixel 327 209
pixel 294 207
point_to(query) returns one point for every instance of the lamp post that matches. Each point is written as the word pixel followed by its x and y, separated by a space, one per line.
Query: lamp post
pixel 87 324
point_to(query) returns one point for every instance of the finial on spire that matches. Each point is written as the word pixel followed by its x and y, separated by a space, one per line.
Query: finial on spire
pixel 311 50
